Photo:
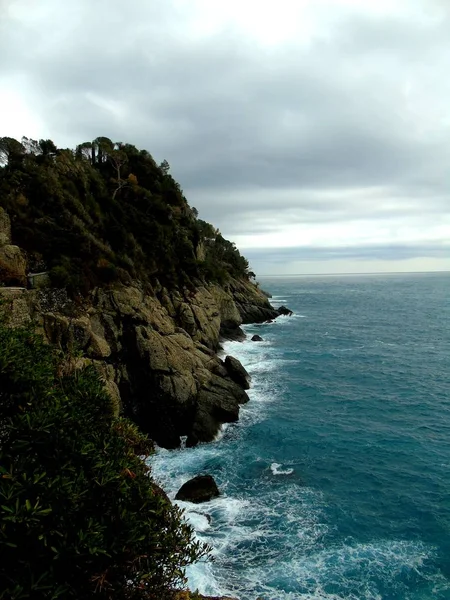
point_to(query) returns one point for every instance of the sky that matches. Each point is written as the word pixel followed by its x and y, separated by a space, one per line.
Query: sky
pixel 315 134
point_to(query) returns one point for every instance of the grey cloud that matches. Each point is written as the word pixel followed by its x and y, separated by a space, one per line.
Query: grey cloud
pixel 340 129
pixel 389 252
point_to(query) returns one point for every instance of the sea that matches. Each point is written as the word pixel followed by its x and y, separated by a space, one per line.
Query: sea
pixel 335 482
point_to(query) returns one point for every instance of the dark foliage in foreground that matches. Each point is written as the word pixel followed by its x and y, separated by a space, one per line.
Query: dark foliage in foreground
pixel 80 516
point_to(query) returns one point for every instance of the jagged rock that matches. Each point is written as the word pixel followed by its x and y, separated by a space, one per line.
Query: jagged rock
pixel 199 489
pixel 13 266
pixel 166 378
pixel 237 372
pixel 283 310
pixel 234 335
pixel 257 338
pixel 98 347
pixel 253 305
pixel 217 402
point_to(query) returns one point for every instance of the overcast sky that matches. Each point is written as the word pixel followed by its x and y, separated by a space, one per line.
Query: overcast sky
pixel 314 133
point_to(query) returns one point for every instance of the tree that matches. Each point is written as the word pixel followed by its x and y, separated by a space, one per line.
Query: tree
pixel 104 147
pixel 10 151
pixel 48 148
pixel 165 167
pixel 118 158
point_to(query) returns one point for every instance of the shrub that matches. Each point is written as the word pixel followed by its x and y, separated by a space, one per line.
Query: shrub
pixel 80 515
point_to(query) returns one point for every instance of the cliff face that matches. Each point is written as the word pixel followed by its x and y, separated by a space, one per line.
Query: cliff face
pixel 156 351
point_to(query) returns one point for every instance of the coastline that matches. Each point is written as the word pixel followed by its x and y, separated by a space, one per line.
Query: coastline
pixel 213 521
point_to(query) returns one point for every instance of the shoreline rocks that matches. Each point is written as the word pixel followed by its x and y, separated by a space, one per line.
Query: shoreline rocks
pixel 237 372
pixel 155 350
pixel 201 488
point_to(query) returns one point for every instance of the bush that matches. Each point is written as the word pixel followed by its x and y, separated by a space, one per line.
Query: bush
pixel 80 516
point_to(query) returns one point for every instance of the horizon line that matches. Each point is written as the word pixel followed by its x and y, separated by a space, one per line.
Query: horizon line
pixel 356 273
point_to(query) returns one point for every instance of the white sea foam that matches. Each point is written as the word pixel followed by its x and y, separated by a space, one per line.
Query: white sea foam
pixel 275 468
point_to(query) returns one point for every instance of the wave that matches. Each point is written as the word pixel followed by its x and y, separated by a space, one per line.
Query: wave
pixel 275 468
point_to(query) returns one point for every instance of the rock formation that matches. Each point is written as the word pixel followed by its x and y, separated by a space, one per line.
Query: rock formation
pixel 199 489
pixel 155 350
pixel 237 372
pixel 257 338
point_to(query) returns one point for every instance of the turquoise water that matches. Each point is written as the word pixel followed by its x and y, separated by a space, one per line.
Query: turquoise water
pixel 336 480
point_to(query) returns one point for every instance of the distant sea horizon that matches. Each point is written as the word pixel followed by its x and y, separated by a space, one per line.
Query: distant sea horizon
pixel 269 276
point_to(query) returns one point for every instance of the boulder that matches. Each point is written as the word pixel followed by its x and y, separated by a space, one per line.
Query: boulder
pixel 13 266
pixel 199 489
pixel 257 338
pixel 283 310
pixel 237 372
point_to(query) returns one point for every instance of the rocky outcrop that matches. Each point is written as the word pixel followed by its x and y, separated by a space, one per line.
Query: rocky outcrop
pixel 251 302
pixel 283 310
pixel 237 372
pixel 257 338
pixel 155 350
pixel 199 489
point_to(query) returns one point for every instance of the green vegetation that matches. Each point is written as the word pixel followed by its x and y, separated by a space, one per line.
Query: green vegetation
pixel 106 212
pixel 80 516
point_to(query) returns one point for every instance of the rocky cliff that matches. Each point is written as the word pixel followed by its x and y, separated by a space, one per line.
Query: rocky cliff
pixel 155 349
pixel 124 274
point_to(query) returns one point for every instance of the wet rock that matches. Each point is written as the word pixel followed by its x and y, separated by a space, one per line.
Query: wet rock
pixel 237 372
pixel 257 338
pixel 283 310
pixel 233 335
pixel 199 489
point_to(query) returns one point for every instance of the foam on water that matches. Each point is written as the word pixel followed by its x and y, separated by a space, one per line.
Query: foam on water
pixel 276 470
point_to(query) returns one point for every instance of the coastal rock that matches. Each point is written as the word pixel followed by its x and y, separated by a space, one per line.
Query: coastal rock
pixel 237 372
pixel 257 338
pixel 233 334
pixel 155 350
pixel 199 489
pixel 253 305
pixel 217 402
pixel 283 310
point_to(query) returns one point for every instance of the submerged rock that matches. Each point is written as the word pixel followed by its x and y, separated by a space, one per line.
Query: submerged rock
pixel 199 489
pixel 257 338
pixel 237 372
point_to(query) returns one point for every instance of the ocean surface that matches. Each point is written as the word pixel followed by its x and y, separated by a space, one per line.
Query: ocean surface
pixel 336 480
